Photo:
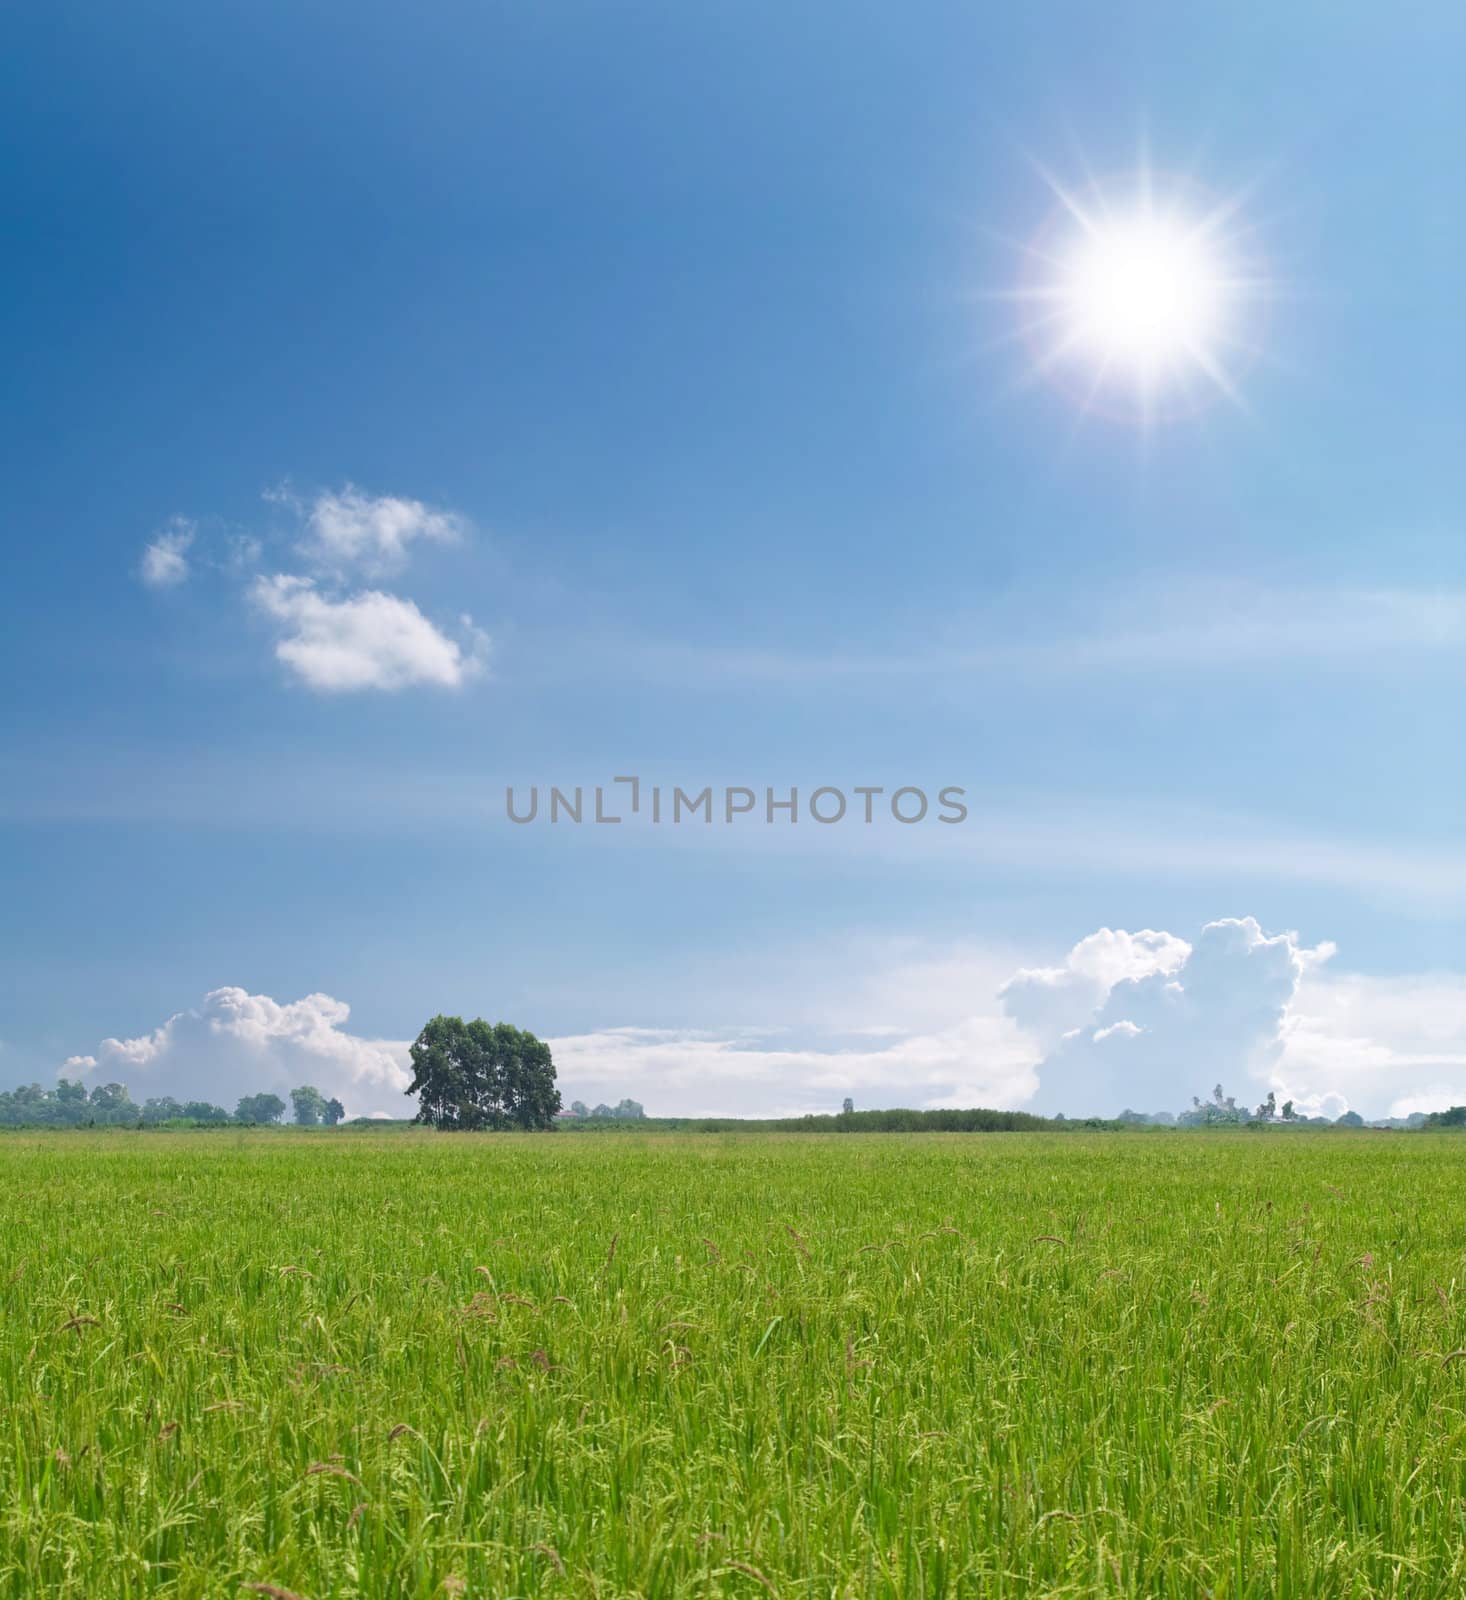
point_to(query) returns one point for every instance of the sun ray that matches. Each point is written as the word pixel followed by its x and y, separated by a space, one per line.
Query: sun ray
pixel 1136 289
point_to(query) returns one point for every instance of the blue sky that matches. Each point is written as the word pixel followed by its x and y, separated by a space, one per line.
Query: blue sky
pixel 679 334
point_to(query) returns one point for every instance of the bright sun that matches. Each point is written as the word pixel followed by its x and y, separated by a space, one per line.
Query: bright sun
pixel 1144 291
pixel 1137 300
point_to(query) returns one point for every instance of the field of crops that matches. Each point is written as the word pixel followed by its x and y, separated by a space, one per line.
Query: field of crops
pixel 347 1364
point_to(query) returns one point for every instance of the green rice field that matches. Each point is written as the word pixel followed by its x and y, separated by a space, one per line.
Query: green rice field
pixel 408 1364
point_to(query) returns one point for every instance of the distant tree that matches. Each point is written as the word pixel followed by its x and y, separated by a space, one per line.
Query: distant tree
pixel 1221 1110
pixel 603 1110
pixel 578 1109
pixel 1453 1118
pixel 1350 1119
pixel 1289 1115
pixel 309 1104
pixel 847 1107
pixel 71 1101
pixel 162 1108
pixel 1268 1109
pixel 630 1111
pixel 259 1109
pixel 334 1112
pixel 470 1075
pixel 110 1103
pixel 202 1111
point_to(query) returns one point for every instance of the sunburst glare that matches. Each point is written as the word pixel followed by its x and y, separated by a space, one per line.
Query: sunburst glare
pixel 1140 298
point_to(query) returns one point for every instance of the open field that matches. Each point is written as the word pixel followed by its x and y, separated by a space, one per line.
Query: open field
pixel 419 1365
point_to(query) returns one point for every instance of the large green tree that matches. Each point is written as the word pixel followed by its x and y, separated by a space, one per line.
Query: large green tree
pixel 309 1104
pixel 259 1108
pixel 482 1075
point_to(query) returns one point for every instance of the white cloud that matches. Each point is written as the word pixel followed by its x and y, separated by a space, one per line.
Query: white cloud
pixel 1144 1019
pixel 237 1043
pixel 1249 1010
pixel 892 1026
pixel 348 530
pixel 1201 626
pixel 1050 1001
pixel 242 555
pixel 370 640
pixel 981 1061
pixel 1388 1044
pixel 1201 1014
pixel 165 559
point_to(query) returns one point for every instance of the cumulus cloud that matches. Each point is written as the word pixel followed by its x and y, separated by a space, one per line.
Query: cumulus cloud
pixel 349 530
pixel 165 559
pixel 369 640
pixel 1203 1013
pixel 1145 1020
pixel 1392 1044
pixel 237 1043
pixel 1148 1020
pixel 1049 1001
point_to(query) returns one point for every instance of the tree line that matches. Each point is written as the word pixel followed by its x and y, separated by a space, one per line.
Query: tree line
pixel 493 1076
pixel 109 1105
pixel 622 1111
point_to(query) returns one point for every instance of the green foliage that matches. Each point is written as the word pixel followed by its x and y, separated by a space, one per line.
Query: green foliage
pixel 1454 1118
pixel 622 1111
pixel 259 1108
pixel 309 1105
pixel 398 1367
pixel 68 1105
pixel 476 1075
pixel 333 1113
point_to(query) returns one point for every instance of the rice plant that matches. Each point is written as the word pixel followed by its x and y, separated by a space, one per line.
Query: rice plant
pixel 417 1365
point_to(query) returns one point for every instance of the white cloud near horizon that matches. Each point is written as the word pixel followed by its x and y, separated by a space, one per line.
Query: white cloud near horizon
pixel 1396 1042
pixel 1050 1001
pixel 165 558
pixel 368 640
pixel 983 1061
pixel 1145 1020
pixel 1213 1010
pixel 236 1043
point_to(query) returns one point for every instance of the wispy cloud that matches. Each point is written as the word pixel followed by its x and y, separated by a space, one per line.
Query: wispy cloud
pixel 347 530
pixel 1225 626
pixel 1063 839
pixel 164 562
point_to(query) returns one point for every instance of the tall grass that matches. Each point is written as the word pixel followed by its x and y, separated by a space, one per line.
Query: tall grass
pixel 417 1365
